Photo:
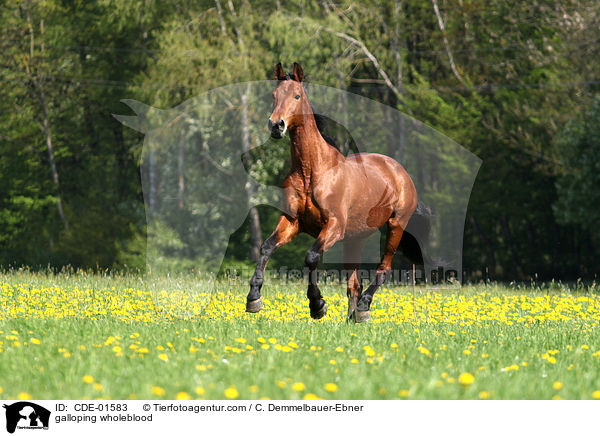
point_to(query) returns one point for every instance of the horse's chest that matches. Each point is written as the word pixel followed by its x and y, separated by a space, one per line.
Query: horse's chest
pixel 311 218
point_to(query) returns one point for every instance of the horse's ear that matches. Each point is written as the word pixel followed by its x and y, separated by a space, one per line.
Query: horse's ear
pixel 298 73
pixel 279 73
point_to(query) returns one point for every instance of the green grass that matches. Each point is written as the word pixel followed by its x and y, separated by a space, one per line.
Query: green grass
pixel 425 362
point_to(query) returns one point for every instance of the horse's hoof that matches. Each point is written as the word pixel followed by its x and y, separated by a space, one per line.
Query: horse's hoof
pixel 362 316
pixel 318 314
pixel 254 305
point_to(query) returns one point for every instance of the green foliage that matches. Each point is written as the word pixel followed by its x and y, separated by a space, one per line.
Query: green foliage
pixel 522 70
pixel 578 146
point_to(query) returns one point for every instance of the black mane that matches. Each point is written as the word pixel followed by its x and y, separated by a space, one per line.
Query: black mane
pixel 321 120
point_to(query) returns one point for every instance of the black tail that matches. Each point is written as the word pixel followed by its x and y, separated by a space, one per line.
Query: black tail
pixel 416 235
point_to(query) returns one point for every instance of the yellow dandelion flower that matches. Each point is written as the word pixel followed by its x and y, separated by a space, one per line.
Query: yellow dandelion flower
pixel 24 396
pixel 183 396
pixel 339 349
pixel 298 386
pixel 596 395
pixel 231 393
pixel 423 350
pixel 308 397
pixel 557 385
pixel 254 389
pixel 35 341
pixel 98 386
pixel 466 379
pixel 158 391
pixel 88 379
pixel 331 387
pixel 200 390
pixel 163 357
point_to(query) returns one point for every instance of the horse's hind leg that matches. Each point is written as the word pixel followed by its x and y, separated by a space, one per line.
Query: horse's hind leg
pixel 352 250
pixel 396 226
pixel 285 231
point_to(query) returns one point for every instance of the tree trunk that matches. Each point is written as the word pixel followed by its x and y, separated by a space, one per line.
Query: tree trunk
pixel 253 214
pixel 152 182
pixel 55 179
pixel 46 127
pixel 446 43
pixel 180 175
pixel 511 247
pixel 489 249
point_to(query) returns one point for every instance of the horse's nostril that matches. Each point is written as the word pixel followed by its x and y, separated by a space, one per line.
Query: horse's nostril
pixel 281 123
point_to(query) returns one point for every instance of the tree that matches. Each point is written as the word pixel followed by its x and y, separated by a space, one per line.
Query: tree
pixel 578 147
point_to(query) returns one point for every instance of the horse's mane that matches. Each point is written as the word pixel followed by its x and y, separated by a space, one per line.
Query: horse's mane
pixel 321 120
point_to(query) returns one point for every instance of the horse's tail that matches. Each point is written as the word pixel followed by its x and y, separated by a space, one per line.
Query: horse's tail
pixel 416 235
pixel 416 238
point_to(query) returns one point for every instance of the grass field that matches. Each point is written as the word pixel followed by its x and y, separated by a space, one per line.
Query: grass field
pixel 76 336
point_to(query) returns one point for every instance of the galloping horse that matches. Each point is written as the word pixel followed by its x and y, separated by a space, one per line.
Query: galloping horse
pixel 332 198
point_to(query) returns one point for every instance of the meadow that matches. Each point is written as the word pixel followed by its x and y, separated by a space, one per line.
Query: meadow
pixel 82 335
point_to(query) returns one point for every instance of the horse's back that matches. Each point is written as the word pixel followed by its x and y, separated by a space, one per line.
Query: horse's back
pixel 377 166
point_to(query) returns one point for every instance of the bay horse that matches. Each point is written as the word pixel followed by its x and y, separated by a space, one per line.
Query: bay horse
pixel 332 198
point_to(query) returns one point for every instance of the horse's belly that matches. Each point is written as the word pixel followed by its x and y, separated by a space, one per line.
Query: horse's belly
pixel 364 224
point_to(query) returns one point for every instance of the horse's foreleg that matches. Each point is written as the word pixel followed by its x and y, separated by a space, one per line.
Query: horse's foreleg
pixel 394 235
pixel 285 231
pixel 330 234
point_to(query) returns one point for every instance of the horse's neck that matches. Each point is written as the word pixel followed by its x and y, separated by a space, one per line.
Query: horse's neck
pixel 309 150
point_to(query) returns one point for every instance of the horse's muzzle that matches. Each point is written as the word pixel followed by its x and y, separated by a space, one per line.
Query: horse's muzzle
pixel 277 128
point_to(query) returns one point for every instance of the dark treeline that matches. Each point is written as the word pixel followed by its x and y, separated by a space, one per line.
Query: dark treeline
pixel 516 83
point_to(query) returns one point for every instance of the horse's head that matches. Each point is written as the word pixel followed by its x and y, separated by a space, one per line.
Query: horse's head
pixel 290 102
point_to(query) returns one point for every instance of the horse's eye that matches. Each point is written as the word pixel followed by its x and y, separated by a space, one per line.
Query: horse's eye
pixel 297 97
